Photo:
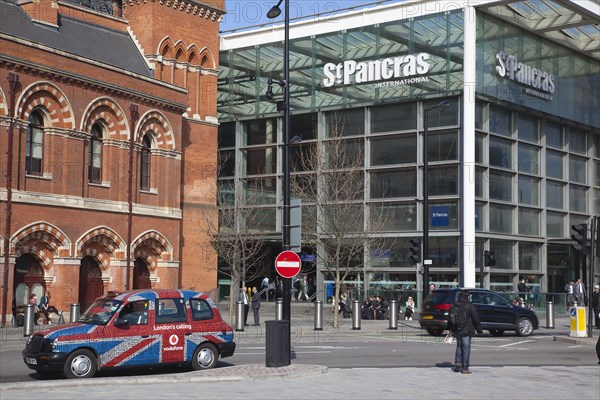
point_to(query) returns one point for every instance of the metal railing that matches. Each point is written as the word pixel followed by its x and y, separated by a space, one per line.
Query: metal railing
pixel 534 301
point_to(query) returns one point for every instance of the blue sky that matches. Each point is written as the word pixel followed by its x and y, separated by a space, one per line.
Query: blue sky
pixel 244 13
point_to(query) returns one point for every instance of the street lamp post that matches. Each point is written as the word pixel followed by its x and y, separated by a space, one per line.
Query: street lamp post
pixel 426 260
pixel 274 12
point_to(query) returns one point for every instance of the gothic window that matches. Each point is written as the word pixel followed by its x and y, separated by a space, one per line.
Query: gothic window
pixel 145 163
pixel 34 148
pixel 95 155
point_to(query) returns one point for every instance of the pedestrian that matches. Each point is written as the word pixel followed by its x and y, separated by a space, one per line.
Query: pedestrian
pixel 596 305
pixel 570 290
pixel 522 288
pixel 264 286
pixel 44 306
pixel 33 301
pixel 302 294
pixel 598 349
pixel 579 290
pixel 242 297
pixel 410 308
pixel 466 324
pixel 255 305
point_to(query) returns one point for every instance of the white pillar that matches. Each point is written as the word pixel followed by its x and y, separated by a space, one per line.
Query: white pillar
pixel 468 148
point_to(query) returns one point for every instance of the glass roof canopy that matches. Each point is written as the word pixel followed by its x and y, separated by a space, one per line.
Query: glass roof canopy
pixel 575 24
pixel 246 66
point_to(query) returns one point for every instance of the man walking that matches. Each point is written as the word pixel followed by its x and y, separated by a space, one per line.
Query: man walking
pixel 255 305
pixel 466 322
pixel 596 305
pixel 570 290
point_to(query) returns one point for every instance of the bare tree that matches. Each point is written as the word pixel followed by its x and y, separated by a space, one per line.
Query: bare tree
pixel 330 179
pixel 237 235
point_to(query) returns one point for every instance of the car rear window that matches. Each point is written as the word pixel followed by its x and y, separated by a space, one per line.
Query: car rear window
pixel 201 310
pixel 439 297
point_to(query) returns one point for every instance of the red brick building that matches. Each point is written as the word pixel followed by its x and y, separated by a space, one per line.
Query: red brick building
pixel 88 88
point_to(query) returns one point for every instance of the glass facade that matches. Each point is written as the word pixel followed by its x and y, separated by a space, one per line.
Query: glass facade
pixel 537 150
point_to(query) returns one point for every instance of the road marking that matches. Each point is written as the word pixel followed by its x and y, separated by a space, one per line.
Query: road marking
pixel 574 347
pixel 516 343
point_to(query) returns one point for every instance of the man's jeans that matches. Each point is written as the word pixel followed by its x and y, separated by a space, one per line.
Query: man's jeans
pixel 463 351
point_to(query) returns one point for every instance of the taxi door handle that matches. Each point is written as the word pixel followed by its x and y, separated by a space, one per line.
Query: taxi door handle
pixel 188 333
pixel 145 336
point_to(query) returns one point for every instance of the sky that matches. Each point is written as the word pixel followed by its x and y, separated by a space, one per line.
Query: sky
pixel 244 13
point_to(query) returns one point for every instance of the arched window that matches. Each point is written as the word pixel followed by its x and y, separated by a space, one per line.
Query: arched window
pixel 145 163
pixel 95 159
pixel 34 150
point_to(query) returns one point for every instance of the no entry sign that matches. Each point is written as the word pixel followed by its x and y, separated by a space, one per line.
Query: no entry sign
pixel 288 264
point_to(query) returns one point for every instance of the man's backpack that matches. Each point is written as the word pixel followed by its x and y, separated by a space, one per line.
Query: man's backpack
pixel 457 317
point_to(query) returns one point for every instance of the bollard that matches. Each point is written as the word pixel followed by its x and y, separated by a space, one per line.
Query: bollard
pixel 29 319
pixel 61 318
pixel 318 315
pixel 74 312
pixel 549 315
pixel 393 314
pixel 239 316
pixel 279 310
pixel 356 314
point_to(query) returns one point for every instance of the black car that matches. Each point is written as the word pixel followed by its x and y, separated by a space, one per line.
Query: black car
pixel 495 312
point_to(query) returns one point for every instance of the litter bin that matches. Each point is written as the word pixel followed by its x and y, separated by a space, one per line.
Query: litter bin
pixel 278 343
pixel 578 322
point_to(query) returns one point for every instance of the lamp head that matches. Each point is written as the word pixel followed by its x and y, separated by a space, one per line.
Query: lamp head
pixel 275 11
pixel 444 103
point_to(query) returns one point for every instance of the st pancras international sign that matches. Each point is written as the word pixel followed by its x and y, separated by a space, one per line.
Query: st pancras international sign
pixel 538 83
pixel 405 70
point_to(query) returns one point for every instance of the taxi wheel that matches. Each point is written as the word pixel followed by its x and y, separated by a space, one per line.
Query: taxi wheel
pixel 80 364
pixel 205 356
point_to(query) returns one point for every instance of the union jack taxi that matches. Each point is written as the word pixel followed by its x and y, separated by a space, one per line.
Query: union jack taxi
pixel 132 329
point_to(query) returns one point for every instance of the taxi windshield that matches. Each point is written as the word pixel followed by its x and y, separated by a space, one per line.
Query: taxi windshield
pixel 101 311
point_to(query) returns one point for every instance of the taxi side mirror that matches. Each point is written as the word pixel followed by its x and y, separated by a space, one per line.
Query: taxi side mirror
pixel 121 322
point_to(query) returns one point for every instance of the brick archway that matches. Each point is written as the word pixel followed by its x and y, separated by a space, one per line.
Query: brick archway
pixel 50 97
pixel 163 133
pixel 43 239
pixel 105 108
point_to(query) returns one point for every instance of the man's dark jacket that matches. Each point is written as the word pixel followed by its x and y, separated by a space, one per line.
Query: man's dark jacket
pixel 473 323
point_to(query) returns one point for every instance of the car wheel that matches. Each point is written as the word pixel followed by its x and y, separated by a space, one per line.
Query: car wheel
pixel 434 332
pixel 205 356
pixel 80 364
pixel 524 327
pixel 496 332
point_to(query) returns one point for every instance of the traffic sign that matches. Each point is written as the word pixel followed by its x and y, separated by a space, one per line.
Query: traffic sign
pixel 287 264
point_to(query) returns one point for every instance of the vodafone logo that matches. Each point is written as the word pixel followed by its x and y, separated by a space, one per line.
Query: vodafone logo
pixel 173 340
